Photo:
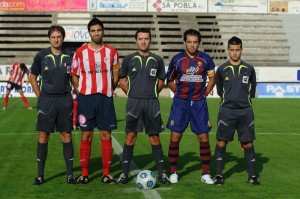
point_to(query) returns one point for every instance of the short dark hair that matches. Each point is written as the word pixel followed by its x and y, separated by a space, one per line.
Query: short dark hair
pixel 95 21
pixel 23 67
pixel 235 41
pixel 57 28
pixel 144 30
pixel 193 33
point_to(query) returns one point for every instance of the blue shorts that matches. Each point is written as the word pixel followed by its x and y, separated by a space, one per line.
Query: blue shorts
pixel 10 86
pixel 184 112
pixel 96 110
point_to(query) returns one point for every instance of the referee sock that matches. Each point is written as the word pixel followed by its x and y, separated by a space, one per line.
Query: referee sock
pixel 250 161
pixel 107 152
pixel 220 159
pixel 127 157
pixel 173 155
pixel 158 157
pixel 84 155
pixel 68 151
pixel 205 156
pixel 41 153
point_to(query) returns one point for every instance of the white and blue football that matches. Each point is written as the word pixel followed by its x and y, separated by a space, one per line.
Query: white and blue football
pixel 146 179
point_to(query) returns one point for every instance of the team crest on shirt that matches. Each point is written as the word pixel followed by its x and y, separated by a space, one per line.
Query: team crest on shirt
pixel 245 79
pixel 74 63
pixel 153 72
pixel 106 60
pixel 199 63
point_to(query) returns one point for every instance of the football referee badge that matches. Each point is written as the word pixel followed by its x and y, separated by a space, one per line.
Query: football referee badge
pixel 68 69
pixel 153 72
pixel 245 79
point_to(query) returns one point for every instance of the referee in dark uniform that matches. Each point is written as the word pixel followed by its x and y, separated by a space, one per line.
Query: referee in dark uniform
pixel 55 102
pixel 142 76
pixel 236 85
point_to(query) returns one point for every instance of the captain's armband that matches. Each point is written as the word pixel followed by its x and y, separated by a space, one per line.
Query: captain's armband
pixel 116 67
pixel 211 73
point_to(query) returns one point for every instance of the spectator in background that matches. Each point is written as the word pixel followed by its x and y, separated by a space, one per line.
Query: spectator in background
pixel 55 102
pixel 236 85
pixel 15 81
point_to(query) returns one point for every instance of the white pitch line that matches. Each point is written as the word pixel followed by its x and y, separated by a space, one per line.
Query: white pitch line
pixel 148 194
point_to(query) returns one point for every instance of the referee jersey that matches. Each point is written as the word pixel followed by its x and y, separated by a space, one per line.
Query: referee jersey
pixel 143 74
pixel 236 84
pixel 54 71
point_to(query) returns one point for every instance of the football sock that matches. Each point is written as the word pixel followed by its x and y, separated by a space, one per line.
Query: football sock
pixel 158 157
pixel 75 108
pixel 173 155
pixel 68 151
pixel 41 152
pixel 25 101
pixel 127 157
pixel 205 156
pixel 220 159
pixel 84 155
pixel 107 152
pixel 6 101
pixel 250 160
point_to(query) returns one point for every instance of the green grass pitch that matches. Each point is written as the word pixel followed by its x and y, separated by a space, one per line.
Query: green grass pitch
pixel 277 156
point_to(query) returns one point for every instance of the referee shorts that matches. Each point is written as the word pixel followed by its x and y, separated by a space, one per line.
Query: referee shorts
pixel 142 113
pixel 54 112
pixel 241 120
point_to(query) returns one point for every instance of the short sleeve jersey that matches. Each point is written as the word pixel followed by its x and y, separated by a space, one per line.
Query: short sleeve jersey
pixel 143 74
pixel 54 70
pixel 17 73
pixel 95 69
pixel 190 74
pixel 236 84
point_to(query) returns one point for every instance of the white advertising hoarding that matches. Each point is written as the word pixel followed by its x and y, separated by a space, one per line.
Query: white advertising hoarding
pixel 27 90
pixel 238 6
pixel 118 5
pixel 177 5
pixel 77 34
pixel 277 74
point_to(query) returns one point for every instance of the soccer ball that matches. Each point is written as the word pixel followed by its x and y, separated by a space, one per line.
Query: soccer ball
pixel 146 179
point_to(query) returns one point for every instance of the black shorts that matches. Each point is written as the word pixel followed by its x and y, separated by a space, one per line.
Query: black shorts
pixel 55 112
pixel 96 110
pixel 143 112
pixel 241 120
pixel 10 86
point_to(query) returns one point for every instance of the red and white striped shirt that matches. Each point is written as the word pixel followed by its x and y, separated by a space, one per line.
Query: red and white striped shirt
pixel 95 69
pixel 17 73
